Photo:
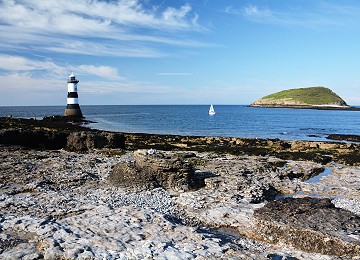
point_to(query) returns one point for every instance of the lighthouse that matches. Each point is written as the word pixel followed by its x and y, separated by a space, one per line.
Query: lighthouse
pixel 72 107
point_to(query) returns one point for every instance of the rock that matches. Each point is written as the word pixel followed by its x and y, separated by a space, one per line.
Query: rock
pixel 351 138
pixel 33 138
pixel 58 138
pixel 84 140
pixel 309 224
pixel 56 204
pixel 151 170
pixel 53 133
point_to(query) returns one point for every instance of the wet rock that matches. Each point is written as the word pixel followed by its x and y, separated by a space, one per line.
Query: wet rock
pixel 26 134
pixel 48 134
pixel 351 138
pixel 309 224
pixel 150 171
pixel 33 138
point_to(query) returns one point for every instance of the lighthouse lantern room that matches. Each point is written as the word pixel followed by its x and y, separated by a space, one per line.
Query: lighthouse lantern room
pixel 72 107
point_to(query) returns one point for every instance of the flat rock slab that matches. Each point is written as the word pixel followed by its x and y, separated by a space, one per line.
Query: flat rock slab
pixel 309 224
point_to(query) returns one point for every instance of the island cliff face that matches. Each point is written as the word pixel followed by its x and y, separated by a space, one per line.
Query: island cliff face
pixel 313 97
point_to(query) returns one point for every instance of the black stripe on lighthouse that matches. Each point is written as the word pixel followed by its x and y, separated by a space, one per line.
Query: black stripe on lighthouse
pixel 72 106
pixel 72 95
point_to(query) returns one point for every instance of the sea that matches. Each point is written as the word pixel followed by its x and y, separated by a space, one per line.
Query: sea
pixel 194 120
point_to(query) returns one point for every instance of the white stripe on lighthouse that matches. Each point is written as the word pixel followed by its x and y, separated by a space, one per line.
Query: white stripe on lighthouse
pixel 72 87
pixel 71 101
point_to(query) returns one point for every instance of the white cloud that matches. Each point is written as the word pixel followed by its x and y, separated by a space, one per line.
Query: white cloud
pixel 176 17
pixel 8 62
pixel 52 25
pixel 27 70
pixel 105 72
pixel 15 64
pixel 252 10
pixel 84 15
pixel 24 81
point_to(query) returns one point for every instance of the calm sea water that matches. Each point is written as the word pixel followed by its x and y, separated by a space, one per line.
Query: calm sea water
pixel 232 121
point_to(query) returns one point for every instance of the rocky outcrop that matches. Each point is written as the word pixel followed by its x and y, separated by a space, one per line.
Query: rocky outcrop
pixel 85 140
pixel 322 152
pixel 310 224
pixel 57 134
pixel 351 138
pixel 33 138
pixel 152 169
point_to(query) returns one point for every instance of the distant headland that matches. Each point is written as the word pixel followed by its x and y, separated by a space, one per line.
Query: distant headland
pixel 308 98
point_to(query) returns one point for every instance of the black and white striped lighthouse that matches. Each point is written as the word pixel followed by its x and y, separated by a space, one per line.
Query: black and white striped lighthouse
pixel 72 107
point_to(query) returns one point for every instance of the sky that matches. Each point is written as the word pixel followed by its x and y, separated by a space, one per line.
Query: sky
pixel 130 52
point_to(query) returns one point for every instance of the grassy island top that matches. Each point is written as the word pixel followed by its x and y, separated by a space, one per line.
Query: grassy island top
pixel 303 96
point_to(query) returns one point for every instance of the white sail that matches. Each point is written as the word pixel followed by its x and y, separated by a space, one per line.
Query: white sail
pixel 211 110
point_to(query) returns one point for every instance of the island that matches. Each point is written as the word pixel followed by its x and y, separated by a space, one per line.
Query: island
pixel 312 97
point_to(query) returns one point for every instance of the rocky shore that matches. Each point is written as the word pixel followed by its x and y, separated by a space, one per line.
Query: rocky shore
pixel 102 195
pixel 334 107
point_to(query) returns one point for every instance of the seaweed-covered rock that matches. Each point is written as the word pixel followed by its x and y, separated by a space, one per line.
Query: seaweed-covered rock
pixel 351 138
pixel 310 224
pixel 152 170
pixel 35 138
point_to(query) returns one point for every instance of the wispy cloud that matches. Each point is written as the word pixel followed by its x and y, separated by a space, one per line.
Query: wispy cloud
pixel 249 11
pixel 19 66
pixel 174 74
pixel 254 11
pixel 19 63
pixel 320 14
pixel 106 72
pixel 25 82
pixel 66 26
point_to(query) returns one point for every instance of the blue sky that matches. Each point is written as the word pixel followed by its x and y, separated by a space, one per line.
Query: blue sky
pixel 176 52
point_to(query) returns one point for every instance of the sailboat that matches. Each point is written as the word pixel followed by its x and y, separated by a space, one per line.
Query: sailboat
pixel 211 110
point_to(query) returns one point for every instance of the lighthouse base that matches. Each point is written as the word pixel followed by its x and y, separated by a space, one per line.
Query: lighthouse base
pixel 73 110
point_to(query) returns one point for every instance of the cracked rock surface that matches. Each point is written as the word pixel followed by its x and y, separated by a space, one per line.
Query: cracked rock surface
pixel 61 204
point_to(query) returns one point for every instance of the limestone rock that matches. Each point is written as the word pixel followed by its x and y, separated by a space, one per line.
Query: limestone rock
pixel 150 171
pixel 59 205
pixel 309 224
pixel 84 140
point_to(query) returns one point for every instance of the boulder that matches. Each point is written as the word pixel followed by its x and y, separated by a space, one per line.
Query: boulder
pixel 151 170
pixel 85 140
pixel 309 224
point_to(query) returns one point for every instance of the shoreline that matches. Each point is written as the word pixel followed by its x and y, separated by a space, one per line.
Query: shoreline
pixel 315 107
pixel 50 134
pixel 121 195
